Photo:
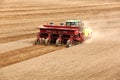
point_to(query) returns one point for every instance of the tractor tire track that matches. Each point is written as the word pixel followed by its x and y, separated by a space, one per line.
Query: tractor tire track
pixel 26 53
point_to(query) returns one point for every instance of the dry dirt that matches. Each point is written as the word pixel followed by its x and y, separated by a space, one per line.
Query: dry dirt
pixel 96 59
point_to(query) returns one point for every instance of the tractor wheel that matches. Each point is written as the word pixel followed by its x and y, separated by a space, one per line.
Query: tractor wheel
pixel 58 42
pixel 47 41
pixel 69 43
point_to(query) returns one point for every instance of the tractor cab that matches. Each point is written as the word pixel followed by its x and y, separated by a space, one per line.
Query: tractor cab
pixel 74 23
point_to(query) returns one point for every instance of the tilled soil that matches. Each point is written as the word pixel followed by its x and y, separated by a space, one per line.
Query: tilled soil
pixel 96 59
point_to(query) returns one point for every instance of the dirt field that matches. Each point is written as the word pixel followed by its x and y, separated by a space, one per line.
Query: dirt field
pixel 95 59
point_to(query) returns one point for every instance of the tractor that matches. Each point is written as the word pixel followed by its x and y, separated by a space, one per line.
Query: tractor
pixel 70 33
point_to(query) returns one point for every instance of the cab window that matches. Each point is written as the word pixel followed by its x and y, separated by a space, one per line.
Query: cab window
pixel 70 24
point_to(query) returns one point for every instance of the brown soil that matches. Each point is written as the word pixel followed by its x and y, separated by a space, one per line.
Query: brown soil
pixel 96 59
pixel 22 54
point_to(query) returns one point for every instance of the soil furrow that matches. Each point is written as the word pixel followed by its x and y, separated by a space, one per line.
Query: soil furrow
pixel 19 55
pixel 57 8
pixel 90 11
pixel 17 37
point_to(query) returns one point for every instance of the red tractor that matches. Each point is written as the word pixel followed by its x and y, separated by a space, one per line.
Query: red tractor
pixel 70 33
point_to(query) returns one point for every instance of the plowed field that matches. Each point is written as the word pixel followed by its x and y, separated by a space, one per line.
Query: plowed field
pixel 96 59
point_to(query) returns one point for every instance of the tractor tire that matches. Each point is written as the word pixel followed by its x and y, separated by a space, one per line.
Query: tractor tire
pixel 47 41
pixel 58 42
pixel 69 43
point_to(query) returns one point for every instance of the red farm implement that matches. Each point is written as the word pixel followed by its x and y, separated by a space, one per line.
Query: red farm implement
pixel 70 33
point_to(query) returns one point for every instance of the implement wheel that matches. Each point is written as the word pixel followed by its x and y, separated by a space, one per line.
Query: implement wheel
pixel 42 41
pixel 58 42
pixel 47 41
pixel 37 42
pixel 69 43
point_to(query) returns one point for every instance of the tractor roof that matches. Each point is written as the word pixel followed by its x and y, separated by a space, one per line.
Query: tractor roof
pixel 73 21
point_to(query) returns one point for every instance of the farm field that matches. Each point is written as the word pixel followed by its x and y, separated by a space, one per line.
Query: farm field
pixel 96 59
